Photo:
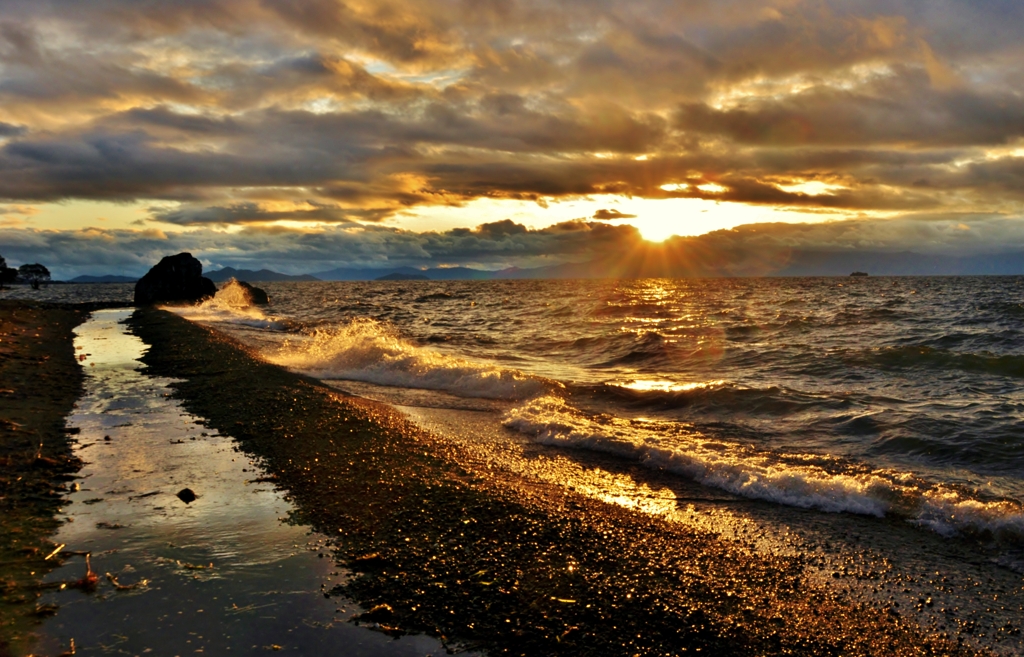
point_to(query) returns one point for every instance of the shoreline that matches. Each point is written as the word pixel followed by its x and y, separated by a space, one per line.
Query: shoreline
pixel 222 574
pixel 456 554
pixel 40 382
pixel 437 540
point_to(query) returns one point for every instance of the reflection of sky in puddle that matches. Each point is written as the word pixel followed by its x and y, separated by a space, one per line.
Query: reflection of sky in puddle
pixel 140 448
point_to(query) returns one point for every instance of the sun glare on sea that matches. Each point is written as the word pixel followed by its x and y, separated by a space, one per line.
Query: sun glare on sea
pixel 663 385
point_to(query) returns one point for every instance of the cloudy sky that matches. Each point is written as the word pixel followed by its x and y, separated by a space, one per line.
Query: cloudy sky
pixel 322 133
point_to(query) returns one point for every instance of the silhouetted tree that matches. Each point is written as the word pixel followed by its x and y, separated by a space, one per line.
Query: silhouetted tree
pixel 34 274
pixel 7 274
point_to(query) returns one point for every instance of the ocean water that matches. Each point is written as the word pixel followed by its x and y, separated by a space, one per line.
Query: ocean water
pixel 878 396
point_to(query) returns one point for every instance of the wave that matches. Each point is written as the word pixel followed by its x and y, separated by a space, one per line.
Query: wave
pixel 229 306
pixel 914 356
pixel 634 309
pixel 800 480
pixel 439 296
pixel 711 397
pixel 649 348
pixel 370 351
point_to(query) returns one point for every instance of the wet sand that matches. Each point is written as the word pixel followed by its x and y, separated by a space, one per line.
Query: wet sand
pixel 39 383
pixel 438 544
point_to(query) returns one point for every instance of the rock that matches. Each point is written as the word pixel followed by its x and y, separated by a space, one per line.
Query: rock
pixel 241 295
pixel 178 278
pixel 187 496
pixel 382 612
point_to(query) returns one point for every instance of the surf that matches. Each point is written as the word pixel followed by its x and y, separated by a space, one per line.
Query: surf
pixel 810 481
pixel 374 352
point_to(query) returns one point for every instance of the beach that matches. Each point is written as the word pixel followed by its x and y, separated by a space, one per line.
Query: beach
pixel 507 549
pixel 39 384
pixel 409 328
pixel 144 568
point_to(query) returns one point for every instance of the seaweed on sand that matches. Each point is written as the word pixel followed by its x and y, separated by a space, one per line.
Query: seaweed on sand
pixel 40 381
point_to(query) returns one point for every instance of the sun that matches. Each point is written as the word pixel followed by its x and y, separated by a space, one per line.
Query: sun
pixel 656 219
pixel 660 219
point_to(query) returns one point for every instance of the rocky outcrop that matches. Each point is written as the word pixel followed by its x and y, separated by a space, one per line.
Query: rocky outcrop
pixel 240 294
pixel 175 279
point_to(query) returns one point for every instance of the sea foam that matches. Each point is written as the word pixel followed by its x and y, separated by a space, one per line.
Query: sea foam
pixel 800 480
pixel 229 306
pixel 371 351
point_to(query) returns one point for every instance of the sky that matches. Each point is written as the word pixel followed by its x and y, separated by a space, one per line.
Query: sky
pixel 304 136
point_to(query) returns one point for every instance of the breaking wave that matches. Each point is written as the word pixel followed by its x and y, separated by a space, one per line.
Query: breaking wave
pixel 370 351
pixel 800 480
pixel 229 306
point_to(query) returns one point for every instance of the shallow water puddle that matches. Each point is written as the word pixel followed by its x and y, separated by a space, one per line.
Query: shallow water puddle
pixel 224 574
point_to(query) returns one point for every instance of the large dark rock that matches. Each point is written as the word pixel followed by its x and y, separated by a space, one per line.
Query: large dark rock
pixel 240 294
pixel 175 279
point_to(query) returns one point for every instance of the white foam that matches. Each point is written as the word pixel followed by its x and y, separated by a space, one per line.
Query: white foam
pixel 233 295
pixel 797 480
pixel 229 306
pixel 367 350
pixel 949 513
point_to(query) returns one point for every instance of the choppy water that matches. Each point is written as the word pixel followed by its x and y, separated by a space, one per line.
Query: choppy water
pixel 880 396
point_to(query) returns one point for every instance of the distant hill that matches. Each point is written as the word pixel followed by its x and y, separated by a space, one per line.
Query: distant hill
pixel 402 277
pixel 825 263
pixel 686 262
pixel 434 274
pixel 103 279
pixel 700 257
pixel 460 274
pixel 364 273
pixel 249 276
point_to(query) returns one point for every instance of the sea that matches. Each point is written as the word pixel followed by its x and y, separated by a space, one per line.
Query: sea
pixel 891 397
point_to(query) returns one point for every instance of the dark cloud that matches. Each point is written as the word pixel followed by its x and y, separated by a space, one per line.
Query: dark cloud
pixel 903 110
pixel 497 230
pixel 611 215
pixel 252 213
pixel 11 130
pixel 600 249
pixel 491 246
pixel 356 112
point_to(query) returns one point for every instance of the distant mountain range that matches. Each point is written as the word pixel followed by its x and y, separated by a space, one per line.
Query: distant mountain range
pixel 681 260
pixel 249 276
pixel 907 263
pixel 402 277
pixel 684 258
pixel 435 274
pixel 103 279
pixel 674 259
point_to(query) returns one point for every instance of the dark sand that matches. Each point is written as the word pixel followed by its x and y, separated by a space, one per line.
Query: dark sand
pixel 39 383
pixel 442 548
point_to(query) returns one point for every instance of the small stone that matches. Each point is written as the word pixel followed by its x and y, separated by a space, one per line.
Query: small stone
pixel 187 495
pixel 379 613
